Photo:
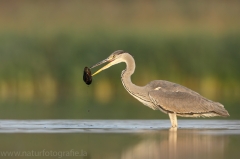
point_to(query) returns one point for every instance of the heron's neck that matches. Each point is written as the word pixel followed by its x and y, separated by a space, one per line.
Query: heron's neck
pixel 126 74
pixel 130 66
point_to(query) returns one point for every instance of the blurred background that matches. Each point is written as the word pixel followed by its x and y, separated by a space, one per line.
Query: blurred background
pixel 44 46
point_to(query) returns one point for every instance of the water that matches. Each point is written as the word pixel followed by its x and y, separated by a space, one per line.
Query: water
pixel 123 139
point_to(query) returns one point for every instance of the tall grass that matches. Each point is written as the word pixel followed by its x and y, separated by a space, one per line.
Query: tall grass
pixel 35 64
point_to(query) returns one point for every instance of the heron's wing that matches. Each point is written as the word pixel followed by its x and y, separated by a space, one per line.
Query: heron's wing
pixel 183 102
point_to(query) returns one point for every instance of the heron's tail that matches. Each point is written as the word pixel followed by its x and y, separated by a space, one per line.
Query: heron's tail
pixel 220 110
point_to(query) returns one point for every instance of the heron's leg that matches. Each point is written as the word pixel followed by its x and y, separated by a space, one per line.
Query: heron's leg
pixel 173 118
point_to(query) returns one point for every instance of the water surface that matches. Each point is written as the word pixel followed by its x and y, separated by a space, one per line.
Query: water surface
pixel 123 139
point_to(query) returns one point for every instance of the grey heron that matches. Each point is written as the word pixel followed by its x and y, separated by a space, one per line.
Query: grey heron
pixel 168 97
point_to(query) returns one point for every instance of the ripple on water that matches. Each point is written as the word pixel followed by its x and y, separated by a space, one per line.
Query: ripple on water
pixel 117 126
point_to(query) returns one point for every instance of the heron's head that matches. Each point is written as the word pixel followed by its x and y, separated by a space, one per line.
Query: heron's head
pixel 115 58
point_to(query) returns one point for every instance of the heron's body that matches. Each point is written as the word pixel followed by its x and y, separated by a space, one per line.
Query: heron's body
pixel 170 98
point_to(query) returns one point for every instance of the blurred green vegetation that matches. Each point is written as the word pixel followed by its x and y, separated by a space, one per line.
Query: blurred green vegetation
pixel 44 46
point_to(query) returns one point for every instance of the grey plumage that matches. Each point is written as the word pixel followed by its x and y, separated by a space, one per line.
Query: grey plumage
pixel 170 98
pixel 184 102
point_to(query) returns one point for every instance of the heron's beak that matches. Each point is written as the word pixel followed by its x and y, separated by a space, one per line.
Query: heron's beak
pixel 101 62
pixel 103 68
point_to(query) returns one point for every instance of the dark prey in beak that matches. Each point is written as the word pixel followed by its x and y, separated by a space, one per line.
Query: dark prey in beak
pixel 87 76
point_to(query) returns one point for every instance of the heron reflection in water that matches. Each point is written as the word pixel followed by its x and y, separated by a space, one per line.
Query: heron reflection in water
pixel 170 98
